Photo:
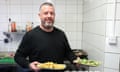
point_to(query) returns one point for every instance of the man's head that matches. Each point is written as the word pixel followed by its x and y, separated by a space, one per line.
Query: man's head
pixel 47 15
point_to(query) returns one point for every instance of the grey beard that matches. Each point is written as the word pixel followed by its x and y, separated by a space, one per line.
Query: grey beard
pixel 48 26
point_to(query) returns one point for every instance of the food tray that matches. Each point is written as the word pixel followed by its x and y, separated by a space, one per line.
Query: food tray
pixel 51 66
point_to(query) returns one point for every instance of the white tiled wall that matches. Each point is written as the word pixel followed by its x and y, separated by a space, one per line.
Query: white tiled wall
pixel 94 30
pixel 110 70
pixel 68 18
pixel 112 60
pixel 100 21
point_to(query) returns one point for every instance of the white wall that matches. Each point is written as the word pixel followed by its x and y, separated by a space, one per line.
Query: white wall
pixel 68 18
pixel 94 29
pixel 112 52
pixel 100 22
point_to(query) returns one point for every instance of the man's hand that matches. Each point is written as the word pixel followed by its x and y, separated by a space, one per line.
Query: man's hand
pixel 33 66
pixel 76 62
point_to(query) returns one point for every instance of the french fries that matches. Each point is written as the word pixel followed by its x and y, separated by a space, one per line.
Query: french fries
pixel 51 65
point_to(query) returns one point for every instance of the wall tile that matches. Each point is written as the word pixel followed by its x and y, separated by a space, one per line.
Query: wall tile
pixel 78 45
pixel 60 2
pixel 26 2
pixel 95 14
pixel 111 1
pixel 79 35
pixel 91 4
pixel 110 27
pixel 27 9
pixel 80 2
pixel 3 2
pixel 118 0
pixel 15 9
pixel 111 11
pixel 71 26
pixel 79 26
pixel 26 17
pixel 72 35
pixel 38 2
pixel 36 18
pixel 4 9
pixel 71 17
pixel 110 70
pixel 3 27
pixel 71 9
pixel 71 2
pixel 73 44
pixel 60 9
pixel 95 40
pixel 15 2
pixel 96 27
pixel 114 58
pixel 35 9
pixel 118 11
pixel 60 17
pixel 117 26
pixel 4 18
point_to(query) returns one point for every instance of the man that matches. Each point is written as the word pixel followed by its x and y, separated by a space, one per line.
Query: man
pixel 44 43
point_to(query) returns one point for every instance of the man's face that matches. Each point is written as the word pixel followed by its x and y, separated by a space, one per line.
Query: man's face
pixel 47 16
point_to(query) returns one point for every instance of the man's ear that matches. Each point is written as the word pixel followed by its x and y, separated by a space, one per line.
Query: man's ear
pixel 38 14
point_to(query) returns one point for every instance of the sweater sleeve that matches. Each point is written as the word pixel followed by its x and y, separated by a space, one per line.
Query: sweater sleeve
pixel 23 52
pixel 69 53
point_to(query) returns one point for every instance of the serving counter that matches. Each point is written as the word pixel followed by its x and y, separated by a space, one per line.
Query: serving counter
pixel 7 65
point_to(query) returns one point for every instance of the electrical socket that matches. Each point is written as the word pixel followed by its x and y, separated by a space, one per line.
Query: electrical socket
pixel 113 40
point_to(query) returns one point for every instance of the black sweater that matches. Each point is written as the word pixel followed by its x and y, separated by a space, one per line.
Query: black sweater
pixel 38 45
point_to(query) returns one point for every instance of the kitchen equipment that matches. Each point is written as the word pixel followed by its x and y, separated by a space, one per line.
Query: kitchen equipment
pixel 8 37
pixel 80 53
pixel 7 60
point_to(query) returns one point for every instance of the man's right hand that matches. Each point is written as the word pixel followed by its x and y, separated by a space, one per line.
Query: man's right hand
pixel 33 66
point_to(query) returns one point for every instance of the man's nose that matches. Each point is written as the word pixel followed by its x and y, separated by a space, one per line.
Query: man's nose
pixel 49 15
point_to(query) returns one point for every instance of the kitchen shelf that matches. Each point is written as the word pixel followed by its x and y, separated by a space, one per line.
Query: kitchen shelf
pixel 13 36
pixel 14 33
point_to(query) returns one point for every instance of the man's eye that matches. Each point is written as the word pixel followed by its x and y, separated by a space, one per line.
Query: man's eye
pixel 45 13
pixel 52 13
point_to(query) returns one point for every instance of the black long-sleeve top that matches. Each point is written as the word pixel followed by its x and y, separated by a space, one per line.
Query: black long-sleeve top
pixel 38 45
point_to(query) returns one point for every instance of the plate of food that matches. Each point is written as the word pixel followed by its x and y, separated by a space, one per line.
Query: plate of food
pixel 52 66
pixel 91 63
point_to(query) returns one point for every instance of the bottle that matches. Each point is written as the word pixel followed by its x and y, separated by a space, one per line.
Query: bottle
pixel 13 26
pixel 28 26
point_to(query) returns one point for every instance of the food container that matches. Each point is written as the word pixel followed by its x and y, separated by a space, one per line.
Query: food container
pixel 80 53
